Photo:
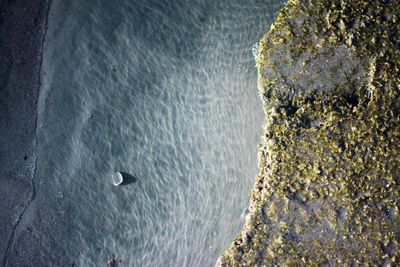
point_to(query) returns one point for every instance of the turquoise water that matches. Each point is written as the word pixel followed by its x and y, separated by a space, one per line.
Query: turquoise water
pixel 165 91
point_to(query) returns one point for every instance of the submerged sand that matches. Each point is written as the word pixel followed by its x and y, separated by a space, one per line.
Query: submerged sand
pixel 22 30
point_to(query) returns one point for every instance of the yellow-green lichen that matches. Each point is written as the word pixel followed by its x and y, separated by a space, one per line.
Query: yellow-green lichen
pixel 328 187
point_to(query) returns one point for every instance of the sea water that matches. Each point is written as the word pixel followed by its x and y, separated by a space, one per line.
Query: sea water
pixel 165 91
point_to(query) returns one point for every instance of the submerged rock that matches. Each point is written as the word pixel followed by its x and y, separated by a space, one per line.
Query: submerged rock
pixel 327 191
pixel 122 178
pixel 117 179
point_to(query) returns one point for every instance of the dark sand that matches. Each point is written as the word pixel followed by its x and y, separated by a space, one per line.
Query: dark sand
pixel 22 30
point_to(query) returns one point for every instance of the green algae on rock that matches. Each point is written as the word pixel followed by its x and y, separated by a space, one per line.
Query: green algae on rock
pixel 328 190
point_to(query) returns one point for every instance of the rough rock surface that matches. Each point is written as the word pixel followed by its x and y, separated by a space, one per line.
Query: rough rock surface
pixel 22 29
pixel 328 189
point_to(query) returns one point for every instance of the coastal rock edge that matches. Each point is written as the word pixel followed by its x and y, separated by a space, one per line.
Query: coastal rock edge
pixel 328 186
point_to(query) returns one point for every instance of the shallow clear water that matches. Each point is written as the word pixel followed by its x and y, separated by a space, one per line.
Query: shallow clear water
pixel 163 90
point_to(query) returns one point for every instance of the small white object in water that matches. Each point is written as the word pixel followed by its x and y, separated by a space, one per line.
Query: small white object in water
pixel 117 179
pixel 254 49
pixel 245 213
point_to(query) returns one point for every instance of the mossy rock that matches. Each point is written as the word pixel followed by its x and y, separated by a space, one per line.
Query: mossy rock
pixel 327 192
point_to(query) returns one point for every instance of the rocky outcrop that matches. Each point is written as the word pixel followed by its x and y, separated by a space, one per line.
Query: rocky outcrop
pixel 328 189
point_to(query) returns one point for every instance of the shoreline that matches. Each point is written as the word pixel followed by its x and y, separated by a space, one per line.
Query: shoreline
pixel 23 26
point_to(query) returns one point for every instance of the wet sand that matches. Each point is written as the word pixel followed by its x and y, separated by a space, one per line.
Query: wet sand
pixel 22 30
